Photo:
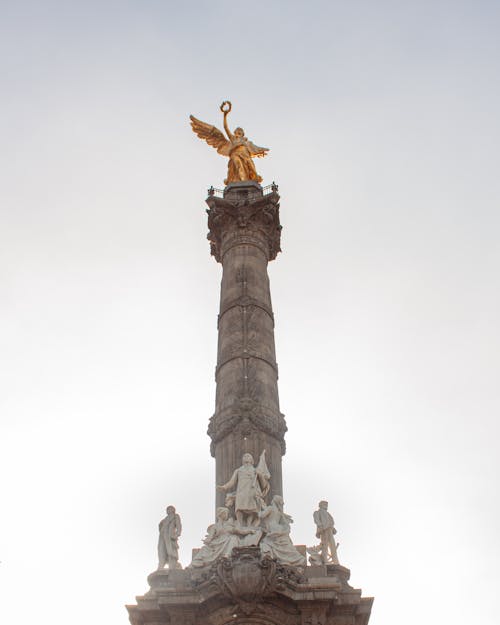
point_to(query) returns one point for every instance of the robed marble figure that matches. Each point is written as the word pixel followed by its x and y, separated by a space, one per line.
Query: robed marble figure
pixel 168 546
pixel 277 542
pixel 220 540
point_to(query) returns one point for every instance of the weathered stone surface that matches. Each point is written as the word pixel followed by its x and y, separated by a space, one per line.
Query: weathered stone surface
pixel 250 588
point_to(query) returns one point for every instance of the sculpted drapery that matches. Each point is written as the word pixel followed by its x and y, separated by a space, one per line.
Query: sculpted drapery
pixel 221 538
pixel 277 542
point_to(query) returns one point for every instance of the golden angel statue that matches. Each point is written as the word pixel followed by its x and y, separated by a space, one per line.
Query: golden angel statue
pixel 240 150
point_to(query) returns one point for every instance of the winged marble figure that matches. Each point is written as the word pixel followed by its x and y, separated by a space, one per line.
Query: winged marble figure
pixel 237 147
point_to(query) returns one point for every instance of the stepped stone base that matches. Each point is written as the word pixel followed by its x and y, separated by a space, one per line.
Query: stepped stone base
pixel 248 589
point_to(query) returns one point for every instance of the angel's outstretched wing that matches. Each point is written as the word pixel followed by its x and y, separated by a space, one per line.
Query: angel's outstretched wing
pixel 255 150
pixel 212 135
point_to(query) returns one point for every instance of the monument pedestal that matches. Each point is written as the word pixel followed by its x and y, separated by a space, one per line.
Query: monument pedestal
pixel 248 588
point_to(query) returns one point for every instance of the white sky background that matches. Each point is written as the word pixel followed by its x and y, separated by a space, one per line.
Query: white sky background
pixel 382 119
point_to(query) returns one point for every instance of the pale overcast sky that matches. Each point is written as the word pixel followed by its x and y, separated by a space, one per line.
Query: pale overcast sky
pixel 382 123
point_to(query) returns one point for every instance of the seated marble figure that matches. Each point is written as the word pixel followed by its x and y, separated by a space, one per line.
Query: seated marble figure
pixel 221 538
pixel 226 533
pixel 276 542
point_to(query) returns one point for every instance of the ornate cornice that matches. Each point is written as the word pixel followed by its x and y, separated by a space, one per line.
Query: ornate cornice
pixel 244 216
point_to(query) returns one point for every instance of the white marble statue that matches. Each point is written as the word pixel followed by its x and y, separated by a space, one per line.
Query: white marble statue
pixel 315 557
pixel 276 542
pixel 251 485
pixel 325 530
pixel 168 547
pixel 220 540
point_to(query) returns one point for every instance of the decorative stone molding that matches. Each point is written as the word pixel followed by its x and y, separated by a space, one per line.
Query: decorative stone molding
pixel 247 353
pixel 247 589
pixel 244 301
pixel 182 615
pixel 247 577
pixel 314 614
pixel 244 216
pixel 244 417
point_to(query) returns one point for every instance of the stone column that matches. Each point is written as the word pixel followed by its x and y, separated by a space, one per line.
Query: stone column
pixel 244 234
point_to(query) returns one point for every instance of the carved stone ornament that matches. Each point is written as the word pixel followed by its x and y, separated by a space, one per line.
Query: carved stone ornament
pixel 246 577
pixel 244 215
pixel 246 416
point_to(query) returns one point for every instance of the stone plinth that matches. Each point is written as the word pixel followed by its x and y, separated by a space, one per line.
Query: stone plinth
pixel 247 589
pixel 244 234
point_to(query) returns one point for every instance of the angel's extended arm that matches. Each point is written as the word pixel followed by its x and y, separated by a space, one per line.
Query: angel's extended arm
pixel 226 127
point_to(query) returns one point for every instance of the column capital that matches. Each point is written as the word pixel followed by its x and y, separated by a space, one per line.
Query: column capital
pixel 244 213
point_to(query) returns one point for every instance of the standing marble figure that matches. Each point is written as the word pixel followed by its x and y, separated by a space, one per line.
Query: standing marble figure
pixel 252 486
pixel 168 547
pixel 325 530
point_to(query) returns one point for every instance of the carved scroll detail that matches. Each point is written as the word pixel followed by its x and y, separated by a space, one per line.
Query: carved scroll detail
pixel 250 220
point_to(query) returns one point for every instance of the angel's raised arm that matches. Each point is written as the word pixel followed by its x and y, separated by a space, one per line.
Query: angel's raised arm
pixel 229 134
pixel 225 107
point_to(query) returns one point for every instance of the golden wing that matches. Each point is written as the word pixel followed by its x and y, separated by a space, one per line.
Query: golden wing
pixel 212 135
pixel 255 150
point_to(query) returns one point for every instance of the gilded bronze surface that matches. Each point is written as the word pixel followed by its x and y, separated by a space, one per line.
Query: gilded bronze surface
pixel 237 147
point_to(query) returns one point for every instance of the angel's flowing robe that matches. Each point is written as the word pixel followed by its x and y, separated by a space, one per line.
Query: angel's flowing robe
pixel 241 166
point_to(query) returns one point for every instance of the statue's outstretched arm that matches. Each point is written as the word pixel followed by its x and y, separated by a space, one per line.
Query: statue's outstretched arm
pixel 229 134
pixel 231 484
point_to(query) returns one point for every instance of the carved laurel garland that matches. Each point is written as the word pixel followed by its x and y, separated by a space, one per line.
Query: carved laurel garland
pixel 246 415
